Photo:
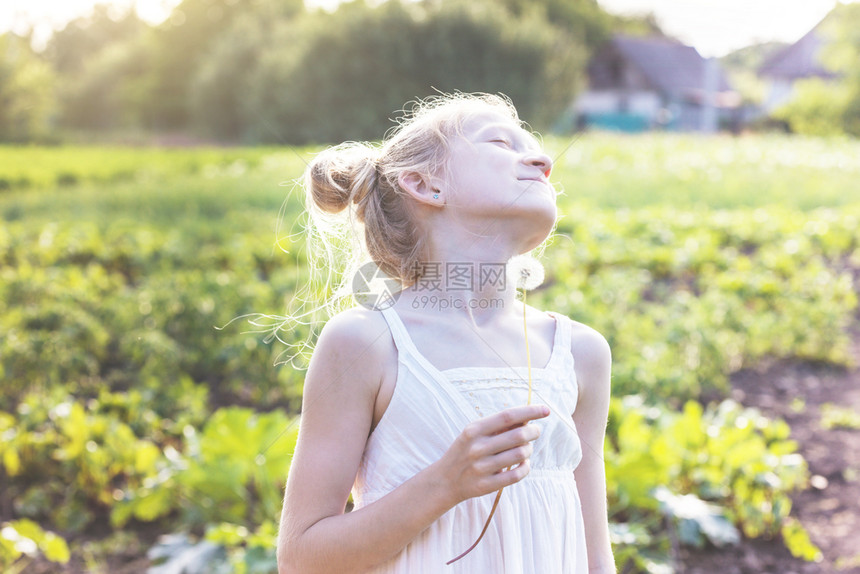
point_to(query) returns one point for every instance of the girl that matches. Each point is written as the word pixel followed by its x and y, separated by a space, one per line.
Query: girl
pixel 418 403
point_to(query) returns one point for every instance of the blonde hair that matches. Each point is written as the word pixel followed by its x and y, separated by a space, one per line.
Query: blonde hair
pixel 362 180
pixel 357 210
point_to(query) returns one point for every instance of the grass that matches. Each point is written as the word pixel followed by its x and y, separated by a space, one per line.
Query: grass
pixel 598 169
pixel 613 171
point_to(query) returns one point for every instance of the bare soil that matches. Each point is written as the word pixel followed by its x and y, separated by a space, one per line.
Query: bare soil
pixel 830 508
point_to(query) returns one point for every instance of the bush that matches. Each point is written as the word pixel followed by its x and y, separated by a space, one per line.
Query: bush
pixel 818 108
pixel 346 73
pixel 26 91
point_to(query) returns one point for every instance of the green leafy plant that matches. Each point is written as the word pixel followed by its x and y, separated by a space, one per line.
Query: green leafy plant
pixel 98 455
pixel 833 416
pixel 232 471
pixel 705 470
pixel 23 539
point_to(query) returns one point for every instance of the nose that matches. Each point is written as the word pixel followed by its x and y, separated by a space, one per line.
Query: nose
pixel 539 160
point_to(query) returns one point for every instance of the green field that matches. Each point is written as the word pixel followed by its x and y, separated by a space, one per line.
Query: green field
pixel 131 404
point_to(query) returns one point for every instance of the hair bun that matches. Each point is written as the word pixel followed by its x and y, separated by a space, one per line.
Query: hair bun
pixel 340 175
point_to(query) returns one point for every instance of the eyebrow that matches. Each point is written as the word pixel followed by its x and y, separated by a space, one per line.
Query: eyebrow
pixel 516 132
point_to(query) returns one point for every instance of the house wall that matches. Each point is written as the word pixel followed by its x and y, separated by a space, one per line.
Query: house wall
pixel 779 92
pixel 692 117
pixel 621 96
pixel 624 110
pixel 686 117
pixel 619 109
pixel 643 103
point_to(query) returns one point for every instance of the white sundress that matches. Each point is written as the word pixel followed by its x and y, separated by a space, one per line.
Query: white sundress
pixel 538 526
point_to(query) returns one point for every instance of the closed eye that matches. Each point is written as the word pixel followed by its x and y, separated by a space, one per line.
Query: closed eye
pixel 501 141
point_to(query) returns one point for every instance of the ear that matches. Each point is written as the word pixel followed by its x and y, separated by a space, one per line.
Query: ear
pixel 421 188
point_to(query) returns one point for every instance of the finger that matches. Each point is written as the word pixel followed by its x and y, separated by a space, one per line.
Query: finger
pixel 509 458
pixel 489 447
pixel 510 476
pixel 512 439
pixel 513 417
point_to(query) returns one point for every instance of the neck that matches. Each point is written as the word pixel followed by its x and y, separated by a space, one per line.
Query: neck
pixel 479 290
pixel 464 273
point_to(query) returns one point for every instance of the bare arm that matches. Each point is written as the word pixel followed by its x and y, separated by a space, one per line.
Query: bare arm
pixel 340 390
pixel 593 363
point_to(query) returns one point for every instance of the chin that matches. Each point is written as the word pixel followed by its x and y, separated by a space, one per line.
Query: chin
pixel 541 230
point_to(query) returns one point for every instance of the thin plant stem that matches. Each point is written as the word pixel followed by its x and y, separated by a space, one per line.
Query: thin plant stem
pixel 528 354
pixel 528 402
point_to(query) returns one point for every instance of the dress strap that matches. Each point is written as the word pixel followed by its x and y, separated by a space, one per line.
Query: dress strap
pixel 401 337
pixel 404 343
pixel 562 323
pixel 436 383
pixel 562 356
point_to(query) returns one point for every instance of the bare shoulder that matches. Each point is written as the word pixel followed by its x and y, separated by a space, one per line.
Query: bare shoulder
pixel 589 347
pixel 356 328
pixel 592 358
pixel 355 341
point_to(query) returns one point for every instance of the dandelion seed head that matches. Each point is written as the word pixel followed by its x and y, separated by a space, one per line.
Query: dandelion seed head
pixel 525 272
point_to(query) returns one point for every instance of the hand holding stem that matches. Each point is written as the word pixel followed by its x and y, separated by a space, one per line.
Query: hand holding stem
pixel 528 274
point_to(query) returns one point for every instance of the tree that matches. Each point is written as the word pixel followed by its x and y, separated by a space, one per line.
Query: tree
pixel 183 42
pixel 101 61
pixel 582 19
pixel 333 77
pixel 26 91
pixel 223 79
pixel 83 38
pixel 267 70
pixel 110 90
pixel 831 107
pixel 843 27
pixel 817 108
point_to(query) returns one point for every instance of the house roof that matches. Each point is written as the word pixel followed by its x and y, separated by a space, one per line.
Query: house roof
pixel 799 60
pixel 669 65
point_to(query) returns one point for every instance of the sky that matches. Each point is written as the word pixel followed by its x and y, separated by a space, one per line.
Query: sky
pixel 713 27
pixel 717 27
